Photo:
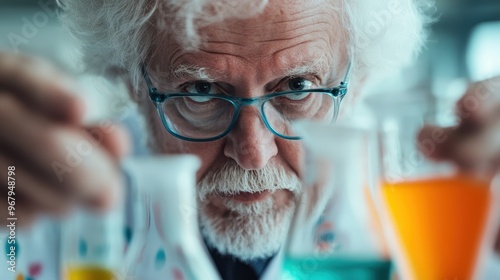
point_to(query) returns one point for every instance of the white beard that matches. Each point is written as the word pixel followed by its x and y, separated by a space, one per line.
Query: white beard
pixel 249 231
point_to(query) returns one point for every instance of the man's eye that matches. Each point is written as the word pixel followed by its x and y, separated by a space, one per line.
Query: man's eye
pixel 201 87
pixel 299 84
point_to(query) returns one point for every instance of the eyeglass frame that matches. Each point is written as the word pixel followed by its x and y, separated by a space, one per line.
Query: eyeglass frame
pixel 158 98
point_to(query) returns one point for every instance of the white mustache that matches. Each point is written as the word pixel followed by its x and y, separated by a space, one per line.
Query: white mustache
pixel 232 179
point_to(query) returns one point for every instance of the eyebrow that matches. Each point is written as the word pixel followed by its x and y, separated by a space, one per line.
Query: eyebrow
pixel 318 66
pixel 191 72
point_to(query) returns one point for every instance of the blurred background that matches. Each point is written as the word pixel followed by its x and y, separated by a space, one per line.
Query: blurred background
pixel 32 26
pixel 464 46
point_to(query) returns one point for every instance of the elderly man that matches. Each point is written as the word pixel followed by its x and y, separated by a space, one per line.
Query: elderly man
pixel 242 71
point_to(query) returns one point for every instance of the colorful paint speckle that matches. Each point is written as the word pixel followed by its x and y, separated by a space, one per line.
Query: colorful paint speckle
pixel 35 269
pixel 82 247
pixel 177 274
pixel 160 259
pixel 128 234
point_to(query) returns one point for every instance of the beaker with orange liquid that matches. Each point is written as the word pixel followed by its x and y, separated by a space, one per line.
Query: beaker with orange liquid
pixel 436 215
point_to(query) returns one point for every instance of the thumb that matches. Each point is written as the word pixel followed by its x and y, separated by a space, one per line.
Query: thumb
pixel 434 142
pixel 115 140
pixel 112 137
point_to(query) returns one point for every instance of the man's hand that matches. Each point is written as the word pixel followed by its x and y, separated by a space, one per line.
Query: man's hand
pixel 475 143
pixel 58 161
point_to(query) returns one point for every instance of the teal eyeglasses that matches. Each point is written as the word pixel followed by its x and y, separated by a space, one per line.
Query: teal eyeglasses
pixel 201 117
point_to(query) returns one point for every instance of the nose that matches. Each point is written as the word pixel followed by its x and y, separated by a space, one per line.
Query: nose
pixel 250 143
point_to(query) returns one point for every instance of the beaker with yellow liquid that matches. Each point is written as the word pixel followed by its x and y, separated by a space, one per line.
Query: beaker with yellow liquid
pixel 93 245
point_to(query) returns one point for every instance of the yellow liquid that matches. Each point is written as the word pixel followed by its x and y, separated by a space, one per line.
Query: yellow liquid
pixel 89 273
pixel 440 224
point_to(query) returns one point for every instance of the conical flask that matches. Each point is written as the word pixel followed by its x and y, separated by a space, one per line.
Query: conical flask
pixel 166 242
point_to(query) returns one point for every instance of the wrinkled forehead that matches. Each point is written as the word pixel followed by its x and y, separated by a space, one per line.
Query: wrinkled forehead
pixel 288 31
pixel 278 16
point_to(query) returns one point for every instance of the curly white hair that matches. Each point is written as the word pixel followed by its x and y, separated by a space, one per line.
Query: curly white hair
pixel 116 35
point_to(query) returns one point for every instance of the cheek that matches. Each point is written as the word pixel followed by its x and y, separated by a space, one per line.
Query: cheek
pixel 160 141
pixel 292 154
pixel 211 155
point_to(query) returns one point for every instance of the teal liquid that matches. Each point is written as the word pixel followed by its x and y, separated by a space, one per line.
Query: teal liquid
pixel 337 268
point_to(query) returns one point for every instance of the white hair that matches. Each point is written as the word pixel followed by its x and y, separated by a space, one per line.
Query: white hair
pixel 116 35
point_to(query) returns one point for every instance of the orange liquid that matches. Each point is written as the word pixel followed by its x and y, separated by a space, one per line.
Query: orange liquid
pixel 89 273
pixel 440 224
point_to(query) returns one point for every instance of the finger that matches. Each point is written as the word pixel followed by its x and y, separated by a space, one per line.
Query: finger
pixel 436 142
pixel 480 150
pixel 41 86
pixel 480 104
pixel 34 189
pixel 24 133
pixel 80 168
pixel 116 141
pixel 84 169
pixel 114 138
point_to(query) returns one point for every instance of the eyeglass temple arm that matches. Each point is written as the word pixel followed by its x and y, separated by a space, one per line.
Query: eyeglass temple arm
pixel 345 81
pixel 151 88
